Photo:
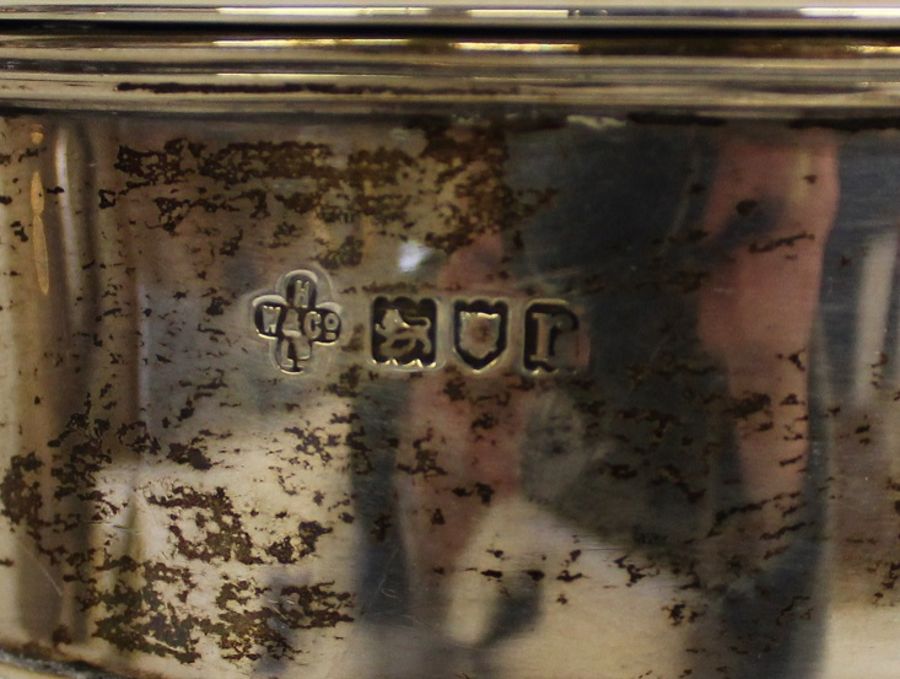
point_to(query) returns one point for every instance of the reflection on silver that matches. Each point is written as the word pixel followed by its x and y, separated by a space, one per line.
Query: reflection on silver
pixel 728 14
pixel 411 256
pixel 755 74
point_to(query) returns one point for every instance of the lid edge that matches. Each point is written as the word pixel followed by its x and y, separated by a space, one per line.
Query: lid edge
pixel 551 14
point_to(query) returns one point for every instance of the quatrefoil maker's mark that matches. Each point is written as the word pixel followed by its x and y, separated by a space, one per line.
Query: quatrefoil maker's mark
pixel 295 321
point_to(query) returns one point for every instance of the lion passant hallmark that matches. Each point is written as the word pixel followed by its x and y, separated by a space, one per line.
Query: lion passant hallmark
pixel 411 333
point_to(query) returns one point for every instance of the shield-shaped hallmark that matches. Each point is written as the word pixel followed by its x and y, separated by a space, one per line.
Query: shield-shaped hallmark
pixel 480 331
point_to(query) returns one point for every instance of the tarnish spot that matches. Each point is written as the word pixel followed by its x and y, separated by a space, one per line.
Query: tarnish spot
pixel 212 515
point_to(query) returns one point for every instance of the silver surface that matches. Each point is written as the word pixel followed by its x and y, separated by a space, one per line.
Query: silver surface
pixel 612 389
pixel 285 72
pixel 717 14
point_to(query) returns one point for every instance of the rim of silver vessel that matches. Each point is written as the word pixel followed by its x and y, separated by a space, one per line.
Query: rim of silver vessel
pixel 660 14
pixel 282 72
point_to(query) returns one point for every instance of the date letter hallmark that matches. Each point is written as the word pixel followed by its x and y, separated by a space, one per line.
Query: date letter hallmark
pixel 551 338
pixel 295 321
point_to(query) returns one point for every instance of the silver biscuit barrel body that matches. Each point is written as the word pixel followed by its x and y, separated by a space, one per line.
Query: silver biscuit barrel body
pixel 449 341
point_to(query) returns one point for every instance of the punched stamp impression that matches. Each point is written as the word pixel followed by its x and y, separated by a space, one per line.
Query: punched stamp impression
pixel 407 333
pixel 295 319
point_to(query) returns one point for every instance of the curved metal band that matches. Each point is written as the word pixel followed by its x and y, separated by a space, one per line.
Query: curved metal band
pixel 214 71
pixel 792 14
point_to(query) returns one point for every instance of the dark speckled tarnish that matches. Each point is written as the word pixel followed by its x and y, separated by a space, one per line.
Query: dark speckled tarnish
pixel 602 396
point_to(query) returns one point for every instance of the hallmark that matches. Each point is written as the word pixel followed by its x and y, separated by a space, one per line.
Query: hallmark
pixel 480 330
pixel 295 320
pixel 404 332
pixel 550 337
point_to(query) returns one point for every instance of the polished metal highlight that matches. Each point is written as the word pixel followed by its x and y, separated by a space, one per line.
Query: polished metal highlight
pixel 749 75
pixel 566 14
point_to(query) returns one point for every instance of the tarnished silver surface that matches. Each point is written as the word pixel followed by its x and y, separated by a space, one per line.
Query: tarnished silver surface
pixel 522 388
